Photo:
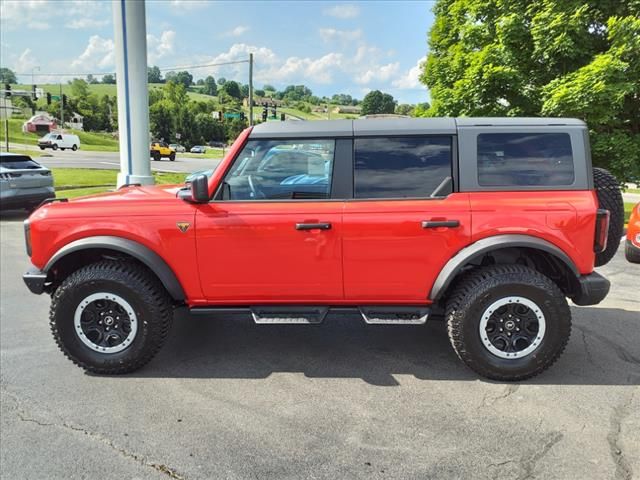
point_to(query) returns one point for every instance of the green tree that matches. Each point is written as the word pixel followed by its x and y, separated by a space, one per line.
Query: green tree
pixel 184 77
pixel 79 88
pixel 232 89
pixel 210 87
pixel 161 119
pixel 405 109
pixel 91 79
pixel 376 102
pixel 108 79
pixel 154 75
pixel 259 93
pixel 222 81
pixel 269 88
pixel 579 58
pixel 7 76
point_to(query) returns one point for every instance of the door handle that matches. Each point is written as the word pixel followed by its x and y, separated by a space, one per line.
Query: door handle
pixel 313 226
pixel 440 223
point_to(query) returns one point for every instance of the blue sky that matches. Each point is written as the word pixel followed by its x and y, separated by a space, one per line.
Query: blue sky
pixel 332 47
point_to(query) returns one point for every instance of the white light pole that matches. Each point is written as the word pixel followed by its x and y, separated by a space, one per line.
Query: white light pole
pixel 130 35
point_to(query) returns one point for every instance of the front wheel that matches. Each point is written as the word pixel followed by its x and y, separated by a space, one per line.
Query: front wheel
pixel 110 317
pixel 41 148
pixel 172 157
pixel 74 148
pixel 508 322
pixel 54 146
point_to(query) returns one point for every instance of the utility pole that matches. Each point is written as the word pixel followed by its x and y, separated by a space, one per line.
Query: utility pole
pixel 61 109
pixel 251 89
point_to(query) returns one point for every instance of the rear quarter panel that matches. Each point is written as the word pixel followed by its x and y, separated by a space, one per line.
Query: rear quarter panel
pixel 564 218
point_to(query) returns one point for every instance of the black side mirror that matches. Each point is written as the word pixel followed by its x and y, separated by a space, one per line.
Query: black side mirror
pixel 198 191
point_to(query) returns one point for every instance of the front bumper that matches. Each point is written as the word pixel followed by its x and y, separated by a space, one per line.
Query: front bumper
pixel 592 289
pixel 35 280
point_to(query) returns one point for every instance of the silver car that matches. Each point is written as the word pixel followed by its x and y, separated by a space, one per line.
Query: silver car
pixel 24 183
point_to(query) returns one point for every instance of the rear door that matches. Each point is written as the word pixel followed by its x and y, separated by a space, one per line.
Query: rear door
pixel 405 220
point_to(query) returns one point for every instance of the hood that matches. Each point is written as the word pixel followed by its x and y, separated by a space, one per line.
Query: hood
pixel 127 201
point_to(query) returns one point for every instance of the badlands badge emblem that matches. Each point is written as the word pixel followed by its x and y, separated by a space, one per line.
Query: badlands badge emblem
pixel 183 226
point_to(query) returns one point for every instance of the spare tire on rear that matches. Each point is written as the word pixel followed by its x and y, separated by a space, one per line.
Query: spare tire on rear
pixel 609 198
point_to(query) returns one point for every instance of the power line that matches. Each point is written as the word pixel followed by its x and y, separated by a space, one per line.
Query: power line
pixel 163 69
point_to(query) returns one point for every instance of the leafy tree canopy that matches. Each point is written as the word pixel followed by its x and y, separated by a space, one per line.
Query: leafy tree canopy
pixel 7 76
pixel 576 58
pixel 376 102
pixel 154 75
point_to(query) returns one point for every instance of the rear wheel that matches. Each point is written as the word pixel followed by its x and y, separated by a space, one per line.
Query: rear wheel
pixel 74 148
pixel 110 317
pixel 508 322
pixel 62 148
pixel 41 148
pixel 631 252
pixel 156 156
pixel 609 198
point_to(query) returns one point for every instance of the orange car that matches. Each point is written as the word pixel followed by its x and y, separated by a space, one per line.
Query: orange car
pixel 632 247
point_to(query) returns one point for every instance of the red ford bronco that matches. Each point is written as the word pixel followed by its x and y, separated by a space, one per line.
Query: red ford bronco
pixel 490 222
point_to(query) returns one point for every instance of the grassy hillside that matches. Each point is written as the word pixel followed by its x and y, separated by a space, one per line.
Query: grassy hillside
pixel 89 141
pixel 100 90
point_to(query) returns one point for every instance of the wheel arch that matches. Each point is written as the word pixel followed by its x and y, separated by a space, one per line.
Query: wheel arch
pixel 103 246
pixel 548 259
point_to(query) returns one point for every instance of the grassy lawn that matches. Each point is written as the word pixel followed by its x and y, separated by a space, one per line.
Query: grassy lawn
pixel 76 182
pixel 628 206
pixel 210 153
pixel 632 190
pixel 89 141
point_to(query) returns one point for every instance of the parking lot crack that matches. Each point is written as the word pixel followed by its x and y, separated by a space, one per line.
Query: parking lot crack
pixel 619 413
pixel 160 467
pixel 529 464
pixel 508 391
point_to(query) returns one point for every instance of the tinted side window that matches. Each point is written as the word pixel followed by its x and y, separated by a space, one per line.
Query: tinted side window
pixel 402 167
pixel 522 159
pixel 281 169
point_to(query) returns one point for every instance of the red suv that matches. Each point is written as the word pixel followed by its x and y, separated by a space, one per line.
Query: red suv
pixel 491 223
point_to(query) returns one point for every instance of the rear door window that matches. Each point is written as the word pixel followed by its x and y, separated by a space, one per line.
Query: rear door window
pixel 18 162
pixel 403 167
pixel 525 159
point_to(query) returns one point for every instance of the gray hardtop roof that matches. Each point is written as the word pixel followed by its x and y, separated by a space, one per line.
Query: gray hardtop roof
pixel 394 126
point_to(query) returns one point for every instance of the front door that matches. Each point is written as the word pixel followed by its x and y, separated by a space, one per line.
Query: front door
pixel 273 233
pixel 404 222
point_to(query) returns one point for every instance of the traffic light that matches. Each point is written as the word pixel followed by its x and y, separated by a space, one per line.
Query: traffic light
pixel 48 98
pixel 274 114
pixel 242 116
pixel 64 100
pixel 265 112
pixel 7 90
pixel 282 117
pixel 33 92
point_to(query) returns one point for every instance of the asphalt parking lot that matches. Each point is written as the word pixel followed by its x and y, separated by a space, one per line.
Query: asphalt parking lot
pixel 226 399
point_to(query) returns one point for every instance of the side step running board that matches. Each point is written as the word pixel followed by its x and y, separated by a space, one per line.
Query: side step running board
pixel 289 315
pixel 313 315
pixel 391 315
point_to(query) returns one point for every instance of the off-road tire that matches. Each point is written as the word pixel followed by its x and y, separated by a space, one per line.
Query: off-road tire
pixel 473 294
pixel 41 148
pixel 156 156
pixel 631 253
pixel 62 148
pixel 136 285
pixel 172 157
pixel 609 198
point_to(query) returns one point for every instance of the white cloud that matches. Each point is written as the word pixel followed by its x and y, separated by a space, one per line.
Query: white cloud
pixel 98 55
pixel 158 48
pixel 81 23
pixel 411 78
pixel 16 15
pixel 331 34
pixel 187 5
pixel 237 31
pixel 343 11
pixel 380 73
pixel 26 61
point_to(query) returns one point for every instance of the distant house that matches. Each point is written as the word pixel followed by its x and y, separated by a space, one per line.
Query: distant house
pixel 347 109
pixel 75 122
pixel 41 122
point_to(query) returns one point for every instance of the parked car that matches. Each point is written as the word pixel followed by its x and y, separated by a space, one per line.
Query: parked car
pixel 60 141
pixel 217 145
pixel 24 183
pixel 198 149
pixel 490 222
pixel 176 147
pixel 159 150
pixel 632 243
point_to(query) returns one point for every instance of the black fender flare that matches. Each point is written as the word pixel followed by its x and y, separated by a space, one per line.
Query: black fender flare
pixel 138 251
pixel 485 245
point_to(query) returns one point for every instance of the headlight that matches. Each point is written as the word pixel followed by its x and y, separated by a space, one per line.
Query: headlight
pixel 638 238
pixel 27 236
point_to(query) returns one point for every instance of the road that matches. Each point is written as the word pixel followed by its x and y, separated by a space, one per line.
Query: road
pixel 231 400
